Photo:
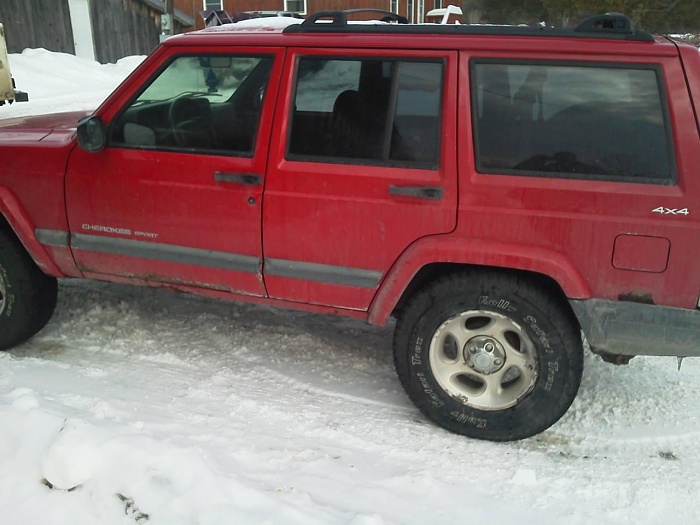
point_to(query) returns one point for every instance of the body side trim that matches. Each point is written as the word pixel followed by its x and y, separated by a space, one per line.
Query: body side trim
pixel 323 273
pixel 53 237
pixel 166 252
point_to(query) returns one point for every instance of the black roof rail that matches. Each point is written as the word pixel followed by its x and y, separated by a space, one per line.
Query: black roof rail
pixel 610 26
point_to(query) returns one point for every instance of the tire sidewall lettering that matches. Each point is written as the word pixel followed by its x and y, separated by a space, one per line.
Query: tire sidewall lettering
pixel 9 296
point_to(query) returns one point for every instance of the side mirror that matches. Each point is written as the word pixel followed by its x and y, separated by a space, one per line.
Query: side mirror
pixel 91 134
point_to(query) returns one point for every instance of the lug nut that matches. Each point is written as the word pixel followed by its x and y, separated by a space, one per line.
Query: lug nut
pixel 488 347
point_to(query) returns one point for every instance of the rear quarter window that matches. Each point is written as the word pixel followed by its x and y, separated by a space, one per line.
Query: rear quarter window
pixel 593 121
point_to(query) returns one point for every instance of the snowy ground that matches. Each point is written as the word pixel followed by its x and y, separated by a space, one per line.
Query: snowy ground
pixel 137 405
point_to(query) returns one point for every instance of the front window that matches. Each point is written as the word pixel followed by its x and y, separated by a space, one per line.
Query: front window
pixel 599 121
pixel 207 103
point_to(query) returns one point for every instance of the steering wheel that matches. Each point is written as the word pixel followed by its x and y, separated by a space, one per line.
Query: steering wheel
pixel 187 121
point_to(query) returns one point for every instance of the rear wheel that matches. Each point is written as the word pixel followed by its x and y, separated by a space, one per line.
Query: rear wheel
pixel 27 296
pixel 489 355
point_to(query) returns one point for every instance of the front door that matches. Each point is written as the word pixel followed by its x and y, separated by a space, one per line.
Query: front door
pixel 367 167
pixel 175 197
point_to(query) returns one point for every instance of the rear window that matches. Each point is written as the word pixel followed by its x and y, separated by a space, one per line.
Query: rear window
pixel 367 110
pixel 571 120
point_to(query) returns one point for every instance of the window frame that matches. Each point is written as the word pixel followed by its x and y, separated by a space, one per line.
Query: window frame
pixel 435 166
pixel 303 12
pixel 207 8
pixel 670 180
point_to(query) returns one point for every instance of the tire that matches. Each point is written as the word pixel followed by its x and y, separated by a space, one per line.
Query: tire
pixel 489 355
pixel 27 296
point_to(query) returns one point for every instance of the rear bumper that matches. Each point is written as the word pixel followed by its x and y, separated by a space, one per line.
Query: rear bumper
pixel 630 329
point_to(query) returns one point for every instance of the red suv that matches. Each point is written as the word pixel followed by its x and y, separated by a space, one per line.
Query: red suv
pixel 498 190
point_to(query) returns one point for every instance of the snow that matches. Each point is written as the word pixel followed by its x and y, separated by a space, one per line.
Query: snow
pixel 138 405
pixel 268 23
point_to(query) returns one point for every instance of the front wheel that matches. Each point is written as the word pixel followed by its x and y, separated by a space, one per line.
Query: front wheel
pixel 27 296
pixel 489 355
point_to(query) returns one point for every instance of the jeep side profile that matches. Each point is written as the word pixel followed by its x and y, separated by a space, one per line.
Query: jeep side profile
pixel 497 190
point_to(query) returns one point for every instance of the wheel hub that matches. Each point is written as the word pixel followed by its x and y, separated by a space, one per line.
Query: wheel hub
pixel 484 355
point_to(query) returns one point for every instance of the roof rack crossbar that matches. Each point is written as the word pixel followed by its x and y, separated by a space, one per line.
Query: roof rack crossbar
pixel 339 19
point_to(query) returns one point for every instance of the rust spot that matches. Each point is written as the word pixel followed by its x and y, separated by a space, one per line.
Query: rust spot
pixel 637 296
pixel 615 359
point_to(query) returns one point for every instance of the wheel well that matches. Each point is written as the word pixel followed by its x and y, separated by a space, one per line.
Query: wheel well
pixel 430 272
pixel 6 228
pixel 5 225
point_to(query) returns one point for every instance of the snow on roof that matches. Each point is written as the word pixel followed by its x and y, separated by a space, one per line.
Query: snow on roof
pixel 271 23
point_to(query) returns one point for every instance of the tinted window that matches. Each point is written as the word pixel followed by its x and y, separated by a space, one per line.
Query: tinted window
pixel 367 111
pixel 570 120
pixel 206 103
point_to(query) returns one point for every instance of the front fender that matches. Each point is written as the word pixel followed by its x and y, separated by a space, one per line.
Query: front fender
pixel 22 225
pixel 476 252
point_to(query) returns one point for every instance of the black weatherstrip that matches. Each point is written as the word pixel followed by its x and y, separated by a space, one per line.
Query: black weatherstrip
pixel 323 273
pixel 166 252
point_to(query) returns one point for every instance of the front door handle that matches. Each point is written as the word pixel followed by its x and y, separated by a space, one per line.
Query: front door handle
pixel 249 179
pixel 420 192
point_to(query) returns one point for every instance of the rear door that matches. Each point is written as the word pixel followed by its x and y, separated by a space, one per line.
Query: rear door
pixel 366 141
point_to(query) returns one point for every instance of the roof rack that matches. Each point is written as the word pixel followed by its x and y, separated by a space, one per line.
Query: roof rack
pixel 612 26
pixel 339 19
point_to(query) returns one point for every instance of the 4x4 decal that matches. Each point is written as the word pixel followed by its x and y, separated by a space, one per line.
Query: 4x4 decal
pixel 670 211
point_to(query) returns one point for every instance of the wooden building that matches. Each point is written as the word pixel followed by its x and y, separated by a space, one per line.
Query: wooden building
pixel 102 30
pixel 414 10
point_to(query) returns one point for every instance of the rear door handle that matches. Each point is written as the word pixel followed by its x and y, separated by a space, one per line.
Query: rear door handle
pixel 420 192
pixel 249 179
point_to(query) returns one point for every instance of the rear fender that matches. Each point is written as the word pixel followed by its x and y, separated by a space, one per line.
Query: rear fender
pixel 473 252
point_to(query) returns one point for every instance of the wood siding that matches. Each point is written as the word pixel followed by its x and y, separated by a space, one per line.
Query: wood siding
pixel 122 28
pixel 37 23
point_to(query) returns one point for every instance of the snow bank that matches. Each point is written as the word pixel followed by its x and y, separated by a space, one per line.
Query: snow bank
pixel 58 82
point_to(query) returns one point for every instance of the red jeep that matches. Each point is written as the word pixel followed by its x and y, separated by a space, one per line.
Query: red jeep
pixel 498 190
